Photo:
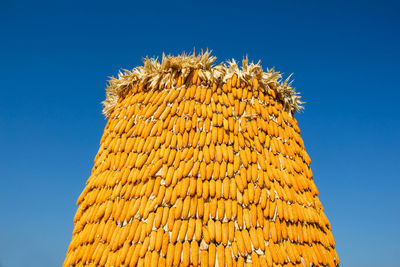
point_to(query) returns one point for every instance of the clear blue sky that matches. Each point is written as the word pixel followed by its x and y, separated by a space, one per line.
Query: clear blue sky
pixel 55 60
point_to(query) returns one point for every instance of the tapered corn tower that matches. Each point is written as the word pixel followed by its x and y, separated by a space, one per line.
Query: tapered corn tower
pixel 201 165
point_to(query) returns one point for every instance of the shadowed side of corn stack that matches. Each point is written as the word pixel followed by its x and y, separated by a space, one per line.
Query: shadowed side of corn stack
pixel 201 165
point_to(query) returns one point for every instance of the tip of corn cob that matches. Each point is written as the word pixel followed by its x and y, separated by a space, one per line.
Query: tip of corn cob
pixel 155 74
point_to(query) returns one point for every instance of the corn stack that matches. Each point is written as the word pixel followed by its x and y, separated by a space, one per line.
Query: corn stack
pixel 201 165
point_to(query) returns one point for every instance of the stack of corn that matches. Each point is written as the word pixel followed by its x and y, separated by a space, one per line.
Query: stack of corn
pixel 201 165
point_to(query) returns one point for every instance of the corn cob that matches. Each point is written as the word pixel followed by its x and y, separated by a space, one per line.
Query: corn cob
pixel 194 252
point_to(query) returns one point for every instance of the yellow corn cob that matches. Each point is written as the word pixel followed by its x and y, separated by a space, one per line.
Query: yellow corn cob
pixel 211 254
pixel 200 206
pixel 255 259
pixel 220 209
pixel 240 242
pixel 170 254
pixel 185 254
pixel 254 238
pixel 211 229
pixel 246 240
pixel 154 259
pixel 206 212
pixel 147 259
pixel 194 252
pixel 159 239
pixel 203 258
pixel 216 171
pixel 175 230
pixel 198 228
pixel 222 170
pixel 213 207
pixel 218 231
pixel 206 235
pixel 218 188
pixel 224 233
pixel 228 256
pixel 221 255
pixel 165 244
pixel 182 230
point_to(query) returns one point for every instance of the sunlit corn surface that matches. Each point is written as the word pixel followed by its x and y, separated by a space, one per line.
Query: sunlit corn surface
pixel 194 175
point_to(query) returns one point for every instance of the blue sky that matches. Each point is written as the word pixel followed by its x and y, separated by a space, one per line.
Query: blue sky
pixel 55 59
